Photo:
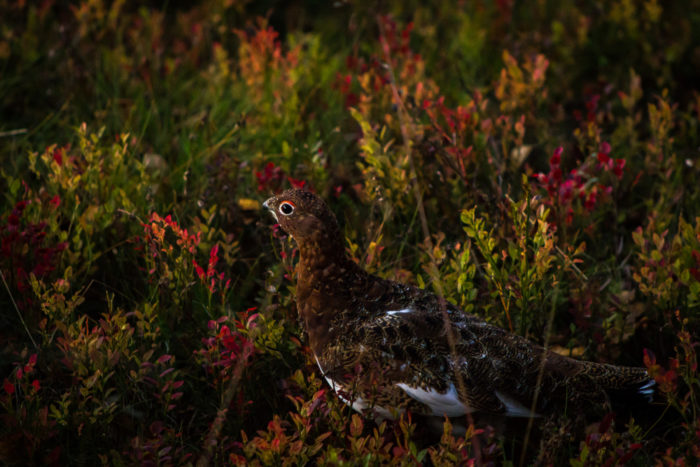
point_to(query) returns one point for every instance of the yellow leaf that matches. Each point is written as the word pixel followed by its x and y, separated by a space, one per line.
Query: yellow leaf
pixel 565 351
pixel 248 204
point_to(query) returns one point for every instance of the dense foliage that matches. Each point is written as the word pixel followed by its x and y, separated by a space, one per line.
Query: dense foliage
pixel 536 163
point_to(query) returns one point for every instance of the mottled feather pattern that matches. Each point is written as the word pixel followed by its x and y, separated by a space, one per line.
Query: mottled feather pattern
pixel 384 346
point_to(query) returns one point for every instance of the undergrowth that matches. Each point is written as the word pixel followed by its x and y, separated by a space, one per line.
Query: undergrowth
pixel 534 163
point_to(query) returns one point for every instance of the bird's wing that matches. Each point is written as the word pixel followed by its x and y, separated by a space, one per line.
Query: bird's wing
pixel 404 358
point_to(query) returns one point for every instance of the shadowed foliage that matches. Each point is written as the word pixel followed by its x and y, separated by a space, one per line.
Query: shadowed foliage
pixel 534 163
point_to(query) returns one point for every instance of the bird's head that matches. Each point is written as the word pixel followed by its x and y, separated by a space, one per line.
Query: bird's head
pixel 306 217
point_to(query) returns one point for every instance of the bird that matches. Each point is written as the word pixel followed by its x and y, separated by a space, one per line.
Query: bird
pixel 386 348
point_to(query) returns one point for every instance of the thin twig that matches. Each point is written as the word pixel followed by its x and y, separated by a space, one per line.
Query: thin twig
pixel 17 309
pixel 19 131
pixel 573 266
pixel 130 214
pixel 540 374
pixel 218 423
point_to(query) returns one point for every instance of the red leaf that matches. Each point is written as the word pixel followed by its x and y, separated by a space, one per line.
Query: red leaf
pixel 695 273
pixel 297 183
pixel 696 256
pixel 556 157
pixel 58 156
pixel 605 423
pixel 198 269
pixel 164 358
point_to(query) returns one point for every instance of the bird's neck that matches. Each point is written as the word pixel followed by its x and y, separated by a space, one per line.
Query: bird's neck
pixel 324 265
pixel 326 282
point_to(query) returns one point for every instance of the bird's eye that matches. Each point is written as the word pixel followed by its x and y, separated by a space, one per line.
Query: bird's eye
pixel 286 208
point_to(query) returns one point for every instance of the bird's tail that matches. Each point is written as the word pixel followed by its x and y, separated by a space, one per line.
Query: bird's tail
pixel 629 385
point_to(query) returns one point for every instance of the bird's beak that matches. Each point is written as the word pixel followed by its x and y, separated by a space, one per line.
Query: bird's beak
pixel 269 205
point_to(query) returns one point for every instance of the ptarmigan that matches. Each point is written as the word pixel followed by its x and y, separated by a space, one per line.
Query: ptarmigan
pixel 386 347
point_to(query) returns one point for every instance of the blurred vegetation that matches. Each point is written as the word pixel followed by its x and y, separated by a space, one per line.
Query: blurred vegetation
pixel 535 162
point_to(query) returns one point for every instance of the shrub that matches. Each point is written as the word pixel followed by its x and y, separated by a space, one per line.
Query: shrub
pixel 533 164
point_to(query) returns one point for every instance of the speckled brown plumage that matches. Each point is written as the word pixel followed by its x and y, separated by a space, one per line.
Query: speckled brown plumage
pixel 384 346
